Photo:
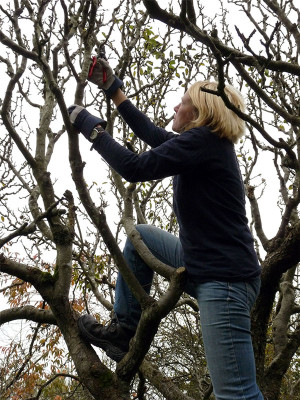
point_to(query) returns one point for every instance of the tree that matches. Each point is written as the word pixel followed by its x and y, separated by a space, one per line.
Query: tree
pixel 60 255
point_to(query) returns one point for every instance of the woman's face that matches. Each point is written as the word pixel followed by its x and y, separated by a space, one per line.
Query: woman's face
pixel 185 112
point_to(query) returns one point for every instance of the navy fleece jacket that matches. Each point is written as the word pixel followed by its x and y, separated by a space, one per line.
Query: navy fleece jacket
pixel 209 199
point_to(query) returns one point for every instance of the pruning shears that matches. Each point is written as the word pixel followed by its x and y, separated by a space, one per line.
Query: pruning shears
pixel 94 61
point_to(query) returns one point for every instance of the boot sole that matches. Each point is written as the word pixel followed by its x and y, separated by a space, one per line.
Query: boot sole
pixel 112 351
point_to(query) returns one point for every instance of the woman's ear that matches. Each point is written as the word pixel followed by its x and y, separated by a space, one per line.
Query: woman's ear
pixel 195 113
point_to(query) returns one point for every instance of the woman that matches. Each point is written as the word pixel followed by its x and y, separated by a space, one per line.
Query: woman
pixel 215 244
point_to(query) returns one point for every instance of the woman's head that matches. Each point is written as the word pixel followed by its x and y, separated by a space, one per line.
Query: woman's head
pixel 206 109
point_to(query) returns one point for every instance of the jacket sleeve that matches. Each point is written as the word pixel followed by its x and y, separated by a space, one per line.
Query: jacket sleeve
pixel 142 126
pixel 174 156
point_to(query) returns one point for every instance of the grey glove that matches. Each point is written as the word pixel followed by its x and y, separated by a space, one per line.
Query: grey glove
pixel 102 75
pixel 83 121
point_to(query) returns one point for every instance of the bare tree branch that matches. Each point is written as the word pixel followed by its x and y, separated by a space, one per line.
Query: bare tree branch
pixel 27 312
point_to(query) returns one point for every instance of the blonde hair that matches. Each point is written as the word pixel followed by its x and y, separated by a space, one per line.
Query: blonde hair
pixel 213 112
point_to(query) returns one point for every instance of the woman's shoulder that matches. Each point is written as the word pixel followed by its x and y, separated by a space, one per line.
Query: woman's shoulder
pixel 204 133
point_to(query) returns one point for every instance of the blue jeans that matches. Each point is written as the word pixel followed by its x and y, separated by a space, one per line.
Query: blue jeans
pixel 224 314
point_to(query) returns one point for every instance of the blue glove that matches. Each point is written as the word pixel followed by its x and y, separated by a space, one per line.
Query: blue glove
pixel 83 121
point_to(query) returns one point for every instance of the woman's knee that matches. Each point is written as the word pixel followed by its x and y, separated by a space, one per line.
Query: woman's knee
pixel 144 230
pixel 129 248
pixel 163 245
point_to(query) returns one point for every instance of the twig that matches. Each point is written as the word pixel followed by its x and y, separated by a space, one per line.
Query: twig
pixel 65 375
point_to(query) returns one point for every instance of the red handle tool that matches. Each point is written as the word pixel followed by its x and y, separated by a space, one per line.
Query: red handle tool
pixel 92 66
pixel 92 69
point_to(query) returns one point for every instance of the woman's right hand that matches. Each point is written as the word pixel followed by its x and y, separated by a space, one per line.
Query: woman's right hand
pixel 101 74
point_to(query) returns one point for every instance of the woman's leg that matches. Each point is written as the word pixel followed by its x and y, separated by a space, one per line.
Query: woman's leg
pixel 225 323
pixel 164 246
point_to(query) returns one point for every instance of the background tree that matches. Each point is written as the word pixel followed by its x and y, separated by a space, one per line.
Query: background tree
pixel 64 215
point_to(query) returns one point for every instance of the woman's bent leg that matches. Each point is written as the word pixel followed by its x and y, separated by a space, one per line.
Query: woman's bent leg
pixel 164 246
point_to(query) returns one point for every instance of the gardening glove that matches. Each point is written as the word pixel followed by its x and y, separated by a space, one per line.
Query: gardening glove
pixel 101 74
pixel 83 121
